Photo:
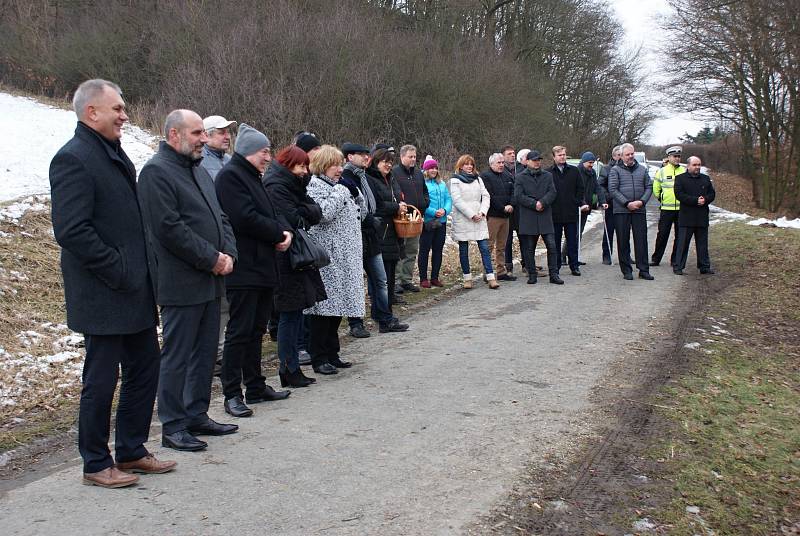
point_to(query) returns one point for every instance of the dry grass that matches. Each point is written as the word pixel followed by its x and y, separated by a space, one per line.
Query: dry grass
pixel 735 193
pixel 39 361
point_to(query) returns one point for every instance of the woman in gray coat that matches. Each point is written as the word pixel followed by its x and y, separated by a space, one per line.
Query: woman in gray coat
pixel 339 232
pixel 534 193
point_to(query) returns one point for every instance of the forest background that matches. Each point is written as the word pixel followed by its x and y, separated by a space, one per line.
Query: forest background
pixel 449 76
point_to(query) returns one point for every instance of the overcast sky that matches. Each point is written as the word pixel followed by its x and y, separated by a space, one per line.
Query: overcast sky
pixel 642 20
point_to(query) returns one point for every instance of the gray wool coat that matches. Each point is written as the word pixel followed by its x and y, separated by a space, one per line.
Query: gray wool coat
pixel 339 232
pixel 529 188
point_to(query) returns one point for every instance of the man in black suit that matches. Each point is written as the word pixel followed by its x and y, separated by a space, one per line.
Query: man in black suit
pixel 695 191
pixel 108 286
pixel 195 248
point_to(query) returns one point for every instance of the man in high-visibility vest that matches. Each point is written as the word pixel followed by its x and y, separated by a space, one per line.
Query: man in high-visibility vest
pixel 663 190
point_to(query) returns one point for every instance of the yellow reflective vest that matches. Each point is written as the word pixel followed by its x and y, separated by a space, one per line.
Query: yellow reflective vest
pixel 664 186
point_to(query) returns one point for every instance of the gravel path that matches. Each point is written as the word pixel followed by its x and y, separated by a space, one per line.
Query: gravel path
pixel 423 435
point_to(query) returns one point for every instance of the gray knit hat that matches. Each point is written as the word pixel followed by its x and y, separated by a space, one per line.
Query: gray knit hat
pixel 250 140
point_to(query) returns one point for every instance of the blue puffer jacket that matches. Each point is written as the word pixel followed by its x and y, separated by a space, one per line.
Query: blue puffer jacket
pixel 439 198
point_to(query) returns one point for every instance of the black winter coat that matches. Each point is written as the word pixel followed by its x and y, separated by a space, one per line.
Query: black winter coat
pixel 188 227
pixel 109 271
pixel 593 194
pixel 501 191
pixel 569 188
pixel 255 224
pixel 412 186
pixel 387 197
pixel 369 225
pixel 287 192
pixel 530 187
pixel 688 189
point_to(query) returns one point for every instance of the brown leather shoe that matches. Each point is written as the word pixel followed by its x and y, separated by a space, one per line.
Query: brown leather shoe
pixel 148 465
pixel 110 477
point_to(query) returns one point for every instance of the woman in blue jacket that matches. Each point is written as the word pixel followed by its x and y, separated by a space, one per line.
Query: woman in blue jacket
pixel 435 226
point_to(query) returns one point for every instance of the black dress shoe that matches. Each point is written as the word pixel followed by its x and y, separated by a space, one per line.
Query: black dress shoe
pixel 182 440
pixel 295 379
pixel 236 408
pixel 707 272
pixel 556 280
pixel 411 287
pixel 677 271
pixel 338 363
pixel 326 369
pixel 607 260
pixel 506 277
pixel 304 358
pixel 654 263
pixel 268 395
pixel 628 277
pixel 646 276
pixel 576 271
pixel 359 332
pixel 395 326
pixel 532 279
pixel 213 428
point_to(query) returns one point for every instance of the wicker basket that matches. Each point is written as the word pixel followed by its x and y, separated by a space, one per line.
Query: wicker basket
pixel 409 225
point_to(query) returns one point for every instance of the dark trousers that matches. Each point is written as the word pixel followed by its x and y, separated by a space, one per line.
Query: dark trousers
pixel 608 238
pixel 571 232
pixel 509 252
pixel 187 363
pixel 324 341
pixel 431 242
pixel 241 362
pixel 666 220
pixel 527 244
pixel 700 243
pixel 138 356
pixel 624 224
pixel 290 326
pixel 564 253
pixel 390 269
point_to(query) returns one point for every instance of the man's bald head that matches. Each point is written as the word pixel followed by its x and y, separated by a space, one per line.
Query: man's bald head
pixel 184 132
pixel 693 164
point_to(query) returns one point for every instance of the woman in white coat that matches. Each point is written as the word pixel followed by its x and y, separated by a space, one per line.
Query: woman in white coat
pixel 470 204
pixel 339 232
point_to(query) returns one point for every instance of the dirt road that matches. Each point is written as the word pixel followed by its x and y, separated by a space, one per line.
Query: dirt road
pixel 424 435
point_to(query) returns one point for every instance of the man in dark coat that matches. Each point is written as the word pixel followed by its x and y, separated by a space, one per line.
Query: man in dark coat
pixel 608 215
pixel 513 168
pixel 569 199
pixel 593 195
pixel 534 194
pixel 414 192
pixel 630 187
pixel 109 274
pixel 195 248
pixel 695 191
pixel 354 176
pixel 259 233
pixel 500 185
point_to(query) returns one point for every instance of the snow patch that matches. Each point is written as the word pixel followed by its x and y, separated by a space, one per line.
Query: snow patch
pixel 13 212
pixel 780 222
pixel 692 345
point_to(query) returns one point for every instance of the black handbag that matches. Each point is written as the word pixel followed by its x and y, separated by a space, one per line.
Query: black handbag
pixel 305 253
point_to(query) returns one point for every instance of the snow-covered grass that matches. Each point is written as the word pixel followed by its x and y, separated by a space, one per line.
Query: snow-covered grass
pixel 36 132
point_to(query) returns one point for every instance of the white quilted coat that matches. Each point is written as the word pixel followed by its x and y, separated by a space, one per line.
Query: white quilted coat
pixel 468 200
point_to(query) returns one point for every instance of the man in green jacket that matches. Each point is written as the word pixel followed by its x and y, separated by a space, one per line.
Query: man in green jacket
pixel 664 190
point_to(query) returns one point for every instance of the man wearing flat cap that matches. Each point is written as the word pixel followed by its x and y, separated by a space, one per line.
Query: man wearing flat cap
pixel 664 190
pixel 215 151
pixel 355 178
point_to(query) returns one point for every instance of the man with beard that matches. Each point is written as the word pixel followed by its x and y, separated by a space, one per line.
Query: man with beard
pixel 195 247
pixel 695 191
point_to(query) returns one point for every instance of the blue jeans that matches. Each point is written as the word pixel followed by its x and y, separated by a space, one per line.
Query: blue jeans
pixel 378 293
pixel 289 327
pixel 486 257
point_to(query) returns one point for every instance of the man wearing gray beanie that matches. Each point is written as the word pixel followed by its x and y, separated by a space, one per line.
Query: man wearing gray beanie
pixel 249 141
pixel 260 234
